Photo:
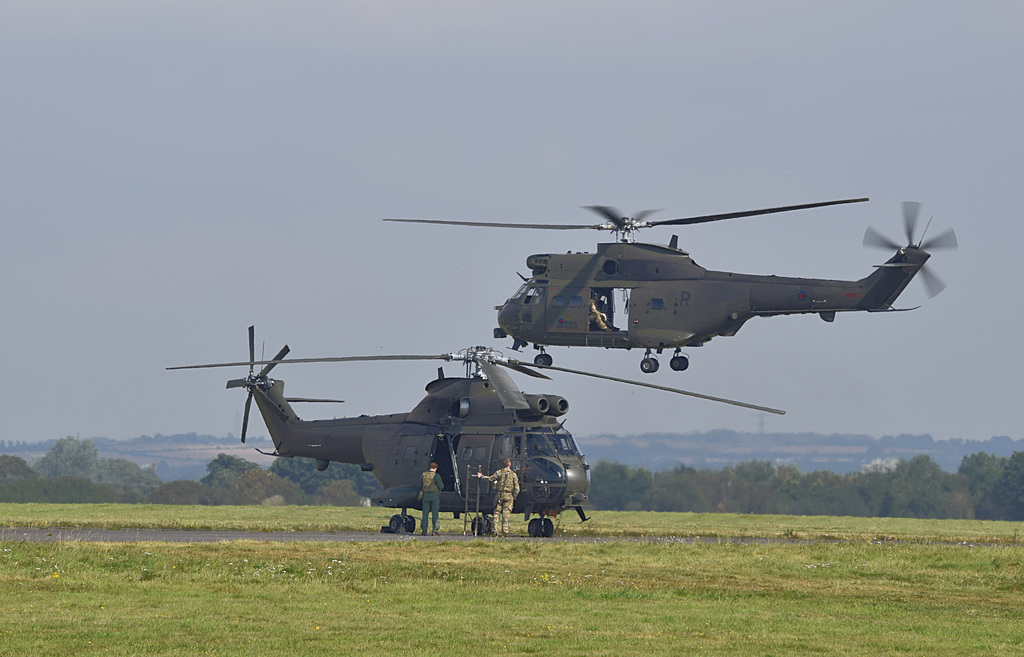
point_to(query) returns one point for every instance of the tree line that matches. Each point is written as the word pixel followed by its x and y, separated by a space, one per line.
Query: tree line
pixel 72 471
pixel 985 487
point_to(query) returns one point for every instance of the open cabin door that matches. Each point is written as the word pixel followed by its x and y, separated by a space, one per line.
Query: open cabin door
pixel 474 454
pixel 443 453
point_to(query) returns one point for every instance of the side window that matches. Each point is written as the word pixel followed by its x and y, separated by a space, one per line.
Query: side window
pixel 479 453
pixel 558 301
pixel 465 453
pixel 657 304
pixel 410 453
pixel 575 302
pixel 535 295
pixel 506 447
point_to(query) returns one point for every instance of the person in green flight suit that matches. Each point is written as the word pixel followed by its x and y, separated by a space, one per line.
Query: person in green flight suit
pixel 431 492
pixel 505 493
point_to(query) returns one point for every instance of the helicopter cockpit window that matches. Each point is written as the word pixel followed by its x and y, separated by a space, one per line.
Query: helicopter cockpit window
pixel 657 304
pixel 519 293
pixel 534 295
pixel 537 445
pixel 564 444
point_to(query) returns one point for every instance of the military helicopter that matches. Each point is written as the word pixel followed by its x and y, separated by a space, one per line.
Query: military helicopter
pixel 466 424
pixel 671 302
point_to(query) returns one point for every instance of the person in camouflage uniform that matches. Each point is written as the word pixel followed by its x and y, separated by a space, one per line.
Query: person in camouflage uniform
pixel 431 491
pixel 505 492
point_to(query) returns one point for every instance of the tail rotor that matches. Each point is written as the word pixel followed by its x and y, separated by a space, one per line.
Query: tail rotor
pixel 254 380
pixel 945 240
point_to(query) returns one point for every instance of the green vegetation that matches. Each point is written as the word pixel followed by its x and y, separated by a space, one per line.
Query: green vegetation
pixel 985 486
pixel 72 471
pixel 856 597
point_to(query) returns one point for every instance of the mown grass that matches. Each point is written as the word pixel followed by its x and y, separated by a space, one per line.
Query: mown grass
pixel 471 597
pixel 602 523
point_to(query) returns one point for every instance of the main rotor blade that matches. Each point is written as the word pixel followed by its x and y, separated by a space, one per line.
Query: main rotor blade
pixel 873 238
pixel 643 214
pixel 946 240
pixel 932 283
pixel 750 213
pixel 608 212
pixel 511 397
pixel 910 211
pixel 252 346
pixel 488 224
pixel 519 367
pixel 273 363
pixel 338 359
pixel 313 400
pixel 664 388
pixel 245 417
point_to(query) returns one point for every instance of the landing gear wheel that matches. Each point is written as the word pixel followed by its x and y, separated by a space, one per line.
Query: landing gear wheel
pixel 535 528
pixel 547 527
pixel 410 524
pixel 679 363
pixel 397 524
pixel 543 359
pixel 649 365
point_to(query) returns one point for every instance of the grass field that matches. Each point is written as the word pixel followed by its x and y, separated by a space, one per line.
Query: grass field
pixel 920 591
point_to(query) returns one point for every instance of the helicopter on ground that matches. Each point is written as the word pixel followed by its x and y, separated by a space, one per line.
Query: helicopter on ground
pixel 466 424
pixel 671 302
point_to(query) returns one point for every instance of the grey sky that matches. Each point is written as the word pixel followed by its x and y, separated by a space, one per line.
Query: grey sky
pixel 176 171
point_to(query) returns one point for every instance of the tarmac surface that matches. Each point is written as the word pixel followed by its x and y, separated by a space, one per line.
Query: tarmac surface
pixel 89 534
pixel 97 535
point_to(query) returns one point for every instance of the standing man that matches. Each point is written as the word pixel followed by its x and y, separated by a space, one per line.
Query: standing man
pixel 431 492
pixel 505 493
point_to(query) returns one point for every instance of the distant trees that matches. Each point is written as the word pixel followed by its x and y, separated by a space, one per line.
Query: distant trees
pixel 1008 490
pixel 73 471
pixel 984 487
pixel 231 480
pixel 69 457
pixel 304 473
pixel 622 488
pixel 14 469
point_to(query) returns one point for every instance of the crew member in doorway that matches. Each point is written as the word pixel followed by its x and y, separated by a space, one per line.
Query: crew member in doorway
pixel 595 316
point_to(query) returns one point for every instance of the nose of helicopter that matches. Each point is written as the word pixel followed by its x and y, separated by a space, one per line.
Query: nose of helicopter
pixel 577 482
pixel 507 314
pixel 546 478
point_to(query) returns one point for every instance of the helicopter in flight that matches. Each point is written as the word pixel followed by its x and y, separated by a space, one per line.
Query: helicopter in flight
pixel 465 424
pixel 671 302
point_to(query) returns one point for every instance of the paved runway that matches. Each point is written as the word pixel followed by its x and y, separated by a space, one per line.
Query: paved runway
pixel 52 534
pixel 55 534
pixel 87 534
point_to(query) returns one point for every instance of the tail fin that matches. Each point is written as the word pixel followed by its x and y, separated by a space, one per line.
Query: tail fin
pixel 885 285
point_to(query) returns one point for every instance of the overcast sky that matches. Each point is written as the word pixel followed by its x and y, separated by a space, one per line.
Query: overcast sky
pixel 173 172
